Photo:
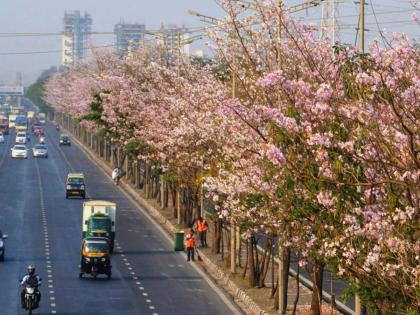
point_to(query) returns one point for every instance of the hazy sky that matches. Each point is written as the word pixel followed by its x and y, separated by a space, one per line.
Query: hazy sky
pixel 45 16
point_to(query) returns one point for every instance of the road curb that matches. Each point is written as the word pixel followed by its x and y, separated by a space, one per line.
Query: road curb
pixel 240 297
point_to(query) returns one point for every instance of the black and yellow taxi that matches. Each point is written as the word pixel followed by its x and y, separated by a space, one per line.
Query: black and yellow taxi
pixel 75 185
pixel 95 257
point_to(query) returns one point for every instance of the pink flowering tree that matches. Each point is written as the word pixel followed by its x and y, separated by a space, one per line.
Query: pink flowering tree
pixel 310 168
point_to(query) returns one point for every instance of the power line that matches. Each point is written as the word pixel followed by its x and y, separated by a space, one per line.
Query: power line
pixel 144 32
pixel 50 51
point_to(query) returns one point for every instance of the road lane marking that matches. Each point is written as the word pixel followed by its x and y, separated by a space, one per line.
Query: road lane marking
pixel 44 220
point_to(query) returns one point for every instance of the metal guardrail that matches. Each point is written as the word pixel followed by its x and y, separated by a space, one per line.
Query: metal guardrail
pixel 310 285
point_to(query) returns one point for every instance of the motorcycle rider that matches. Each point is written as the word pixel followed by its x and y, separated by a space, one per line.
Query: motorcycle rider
pixel 33 280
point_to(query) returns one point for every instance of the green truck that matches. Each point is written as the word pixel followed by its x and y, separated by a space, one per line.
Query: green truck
pixel 99 220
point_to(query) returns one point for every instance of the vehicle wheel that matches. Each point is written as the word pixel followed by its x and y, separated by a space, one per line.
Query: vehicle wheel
pixel 67 196
pixel 80 275
pixel 2 257
pixel 84 196
pixel 46 156
pixel 109 275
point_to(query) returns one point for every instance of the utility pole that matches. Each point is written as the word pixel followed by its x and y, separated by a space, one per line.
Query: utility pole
pixel 232 223
pixel 362 26
pixel 283 275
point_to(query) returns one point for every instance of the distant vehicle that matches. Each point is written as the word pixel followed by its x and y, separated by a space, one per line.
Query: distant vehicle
pixel 30 115
pixel 40 150
pixel 75 185
pixel 12 119
pixel 19 151
pixel 99 220
pixel 4 124
pixel 1 138
pixel 2 245
pixel 35 122
pixel 64 139
pixel 38 131
pixel 21 137
pixel 17 110
pixel 42 118
pixel 95 258
pixel 21 123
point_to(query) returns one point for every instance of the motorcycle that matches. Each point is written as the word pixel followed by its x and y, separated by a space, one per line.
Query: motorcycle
pixel 31 297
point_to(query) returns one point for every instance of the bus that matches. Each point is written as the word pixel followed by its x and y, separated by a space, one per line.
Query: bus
pixel 21 123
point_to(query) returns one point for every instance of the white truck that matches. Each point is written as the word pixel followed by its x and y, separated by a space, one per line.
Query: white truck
pixel 99 220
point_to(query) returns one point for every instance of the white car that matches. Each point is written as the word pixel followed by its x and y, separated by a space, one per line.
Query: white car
pixel 40 150
pixel 19 151
pixel 1 138
pixel 21 138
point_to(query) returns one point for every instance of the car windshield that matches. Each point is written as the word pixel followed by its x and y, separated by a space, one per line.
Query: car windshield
pixel 75 181
pixel 20 147
pixel 96 247
pixel 40 147
pixel 100 224
pixel 21 134
pixel 64 138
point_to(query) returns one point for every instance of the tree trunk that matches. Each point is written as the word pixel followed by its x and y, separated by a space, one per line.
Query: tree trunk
pixel 172 189
pixel 265 263
pixel 166 196
pixel 251 263
pixel 297 289
pixel 276 294
pixel 316 275
pixel 217 227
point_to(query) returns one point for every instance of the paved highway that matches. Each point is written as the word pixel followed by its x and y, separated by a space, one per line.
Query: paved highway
pixel 45 229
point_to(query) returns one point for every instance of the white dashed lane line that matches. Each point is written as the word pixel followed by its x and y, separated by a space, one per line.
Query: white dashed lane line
pixel 48 264
pixel 135 277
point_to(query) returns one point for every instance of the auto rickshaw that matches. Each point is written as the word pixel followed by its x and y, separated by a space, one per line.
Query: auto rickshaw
pixel 95 258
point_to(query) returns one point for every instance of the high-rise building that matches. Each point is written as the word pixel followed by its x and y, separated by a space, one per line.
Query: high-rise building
pixel 174 38
pixel 74 39
pixel 128 36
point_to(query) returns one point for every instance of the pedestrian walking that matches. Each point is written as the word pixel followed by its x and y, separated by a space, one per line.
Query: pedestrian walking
pixel 190 245
pixel 202 228
pixel 116 175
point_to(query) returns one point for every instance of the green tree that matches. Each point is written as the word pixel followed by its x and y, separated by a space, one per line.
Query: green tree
pixel 35 91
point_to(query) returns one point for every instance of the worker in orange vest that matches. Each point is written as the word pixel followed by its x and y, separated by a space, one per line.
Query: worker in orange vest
pixel 202 228
pixel 190 245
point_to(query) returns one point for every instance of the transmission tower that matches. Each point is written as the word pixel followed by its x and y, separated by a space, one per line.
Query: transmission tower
pixel 330 21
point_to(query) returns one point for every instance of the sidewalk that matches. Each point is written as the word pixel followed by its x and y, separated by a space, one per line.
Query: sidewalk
pixel 251 300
